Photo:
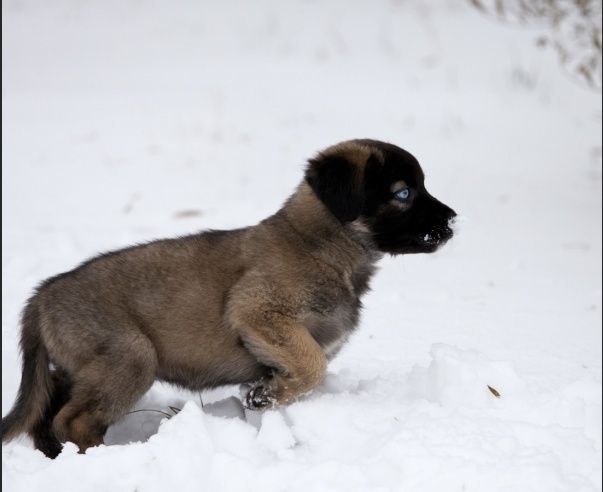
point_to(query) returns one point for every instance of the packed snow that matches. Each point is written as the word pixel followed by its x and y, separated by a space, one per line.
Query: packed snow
pixel 477 368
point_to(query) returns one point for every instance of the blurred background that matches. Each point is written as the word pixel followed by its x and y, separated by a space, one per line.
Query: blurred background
pixel 129 120
pixel 125 121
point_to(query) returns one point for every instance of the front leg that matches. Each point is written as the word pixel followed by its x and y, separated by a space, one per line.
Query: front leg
pixel 261 395
pixel 298 362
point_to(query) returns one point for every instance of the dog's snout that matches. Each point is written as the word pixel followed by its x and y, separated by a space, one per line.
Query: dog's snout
pixel 444 218
pixel 443 212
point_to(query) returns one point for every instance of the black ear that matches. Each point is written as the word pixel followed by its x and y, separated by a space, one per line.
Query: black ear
pixel 339 184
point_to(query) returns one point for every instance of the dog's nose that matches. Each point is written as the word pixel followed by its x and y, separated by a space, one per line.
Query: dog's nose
pixel 444 212
pixel 449 213
pixel 445 217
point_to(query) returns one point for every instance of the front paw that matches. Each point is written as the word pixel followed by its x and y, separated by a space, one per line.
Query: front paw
pixel 260 397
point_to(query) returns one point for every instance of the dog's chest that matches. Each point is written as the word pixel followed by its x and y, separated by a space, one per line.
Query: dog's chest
pixel 332 348
pixel 332 330
pixel 336 310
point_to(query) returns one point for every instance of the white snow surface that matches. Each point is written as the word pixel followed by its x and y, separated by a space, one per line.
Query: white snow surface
pixel 477 368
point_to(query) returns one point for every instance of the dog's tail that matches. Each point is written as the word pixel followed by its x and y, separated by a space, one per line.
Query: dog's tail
pixel 37 385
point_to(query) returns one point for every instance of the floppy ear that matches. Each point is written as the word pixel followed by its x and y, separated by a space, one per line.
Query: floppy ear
pixel 338 181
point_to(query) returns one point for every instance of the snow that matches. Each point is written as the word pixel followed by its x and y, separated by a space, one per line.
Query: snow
pixel 128 121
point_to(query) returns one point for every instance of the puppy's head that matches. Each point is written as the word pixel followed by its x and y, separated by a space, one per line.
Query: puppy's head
pixel 381 186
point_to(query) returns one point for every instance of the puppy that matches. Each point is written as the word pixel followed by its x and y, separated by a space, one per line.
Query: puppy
pixel 268 305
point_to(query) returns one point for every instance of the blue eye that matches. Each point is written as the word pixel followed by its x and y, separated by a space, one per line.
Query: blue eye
pixel 403 194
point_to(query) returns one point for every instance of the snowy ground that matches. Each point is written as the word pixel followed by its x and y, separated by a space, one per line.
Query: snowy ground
pixel 124 121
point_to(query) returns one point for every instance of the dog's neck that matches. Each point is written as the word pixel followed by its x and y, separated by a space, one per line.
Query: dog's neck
pixel 308 215
pixel 310 219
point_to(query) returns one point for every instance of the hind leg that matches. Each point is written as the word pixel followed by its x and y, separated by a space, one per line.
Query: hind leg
pixel 104 390
pixel 43 437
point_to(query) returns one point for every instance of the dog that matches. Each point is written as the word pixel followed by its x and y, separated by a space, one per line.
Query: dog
pixel 267 305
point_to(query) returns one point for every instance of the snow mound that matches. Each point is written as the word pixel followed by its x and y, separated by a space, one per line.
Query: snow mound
pixel 275 435
pixel 457 378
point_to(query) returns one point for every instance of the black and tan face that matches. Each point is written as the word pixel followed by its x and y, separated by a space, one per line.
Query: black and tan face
pixel 402 215
pixel 383 186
